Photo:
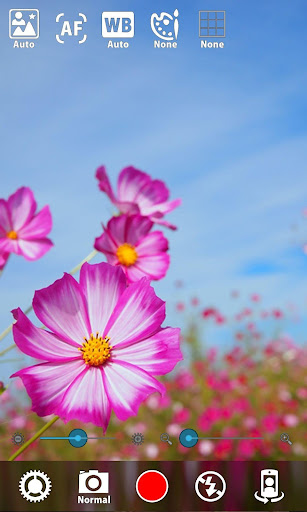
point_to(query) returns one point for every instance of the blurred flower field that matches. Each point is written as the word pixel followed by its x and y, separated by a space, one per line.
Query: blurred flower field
pixel 258 388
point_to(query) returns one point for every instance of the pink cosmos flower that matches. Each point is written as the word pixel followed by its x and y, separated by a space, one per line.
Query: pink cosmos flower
pixel 180 306
pixel 209 312
pixel 22 231
pixel 255 297
pixel 270 423
pixel 137 192
pixel 103 346
pixel 126 242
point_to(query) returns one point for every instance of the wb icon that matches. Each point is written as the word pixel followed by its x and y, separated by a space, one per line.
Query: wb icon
pixel 118 24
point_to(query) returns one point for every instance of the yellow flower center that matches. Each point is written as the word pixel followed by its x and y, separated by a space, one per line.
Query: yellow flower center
pixel 126 255
pixel 96 350
pixel 12 235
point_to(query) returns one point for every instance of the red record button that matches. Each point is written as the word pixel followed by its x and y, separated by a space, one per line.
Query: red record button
pixel 152 486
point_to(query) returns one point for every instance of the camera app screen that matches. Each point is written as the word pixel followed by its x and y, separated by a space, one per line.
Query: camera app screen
pixel 153 255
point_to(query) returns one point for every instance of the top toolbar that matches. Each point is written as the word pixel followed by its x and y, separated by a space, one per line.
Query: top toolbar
pixel 117 27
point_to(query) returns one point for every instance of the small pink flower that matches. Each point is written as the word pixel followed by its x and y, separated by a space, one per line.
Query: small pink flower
pixel 247 312
pixel 246 449
pixel 255 297
pixel 182 416
pixel 137 192
pixel 173 429
pixel 152 451
pixel 195 301
pixel 18 423
pixel 249 422
pixel 290 420
pixel 220 319
pixel 184 379
pixel 270 423
pixel 302 393
pixel 223 449
pixel 205 447
pixel 22 231
pixel 277 313
pixel 103 346
pixel 209 417
pixel 212 354
pixel 209 312
pixel 127 242
pixel 180 306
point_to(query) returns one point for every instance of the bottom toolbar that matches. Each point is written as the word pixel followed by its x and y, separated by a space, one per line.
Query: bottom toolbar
pixel 180 486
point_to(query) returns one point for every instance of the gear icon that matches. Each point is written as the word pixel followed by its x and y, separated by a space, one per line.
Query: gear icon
pixel 35 485
pixel 18 438
pixel 137 439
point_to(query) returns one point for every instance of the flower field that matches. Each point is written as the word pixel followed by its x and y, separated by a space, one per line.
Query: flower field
pixel 257 389
pixel 104 362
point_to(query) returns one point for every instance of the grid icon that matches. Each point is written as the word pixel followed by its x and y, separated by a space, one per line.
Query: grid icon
pixel 212 23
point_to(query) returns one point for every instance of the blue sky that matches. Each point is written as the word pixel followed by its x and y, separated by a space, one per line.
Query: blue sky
pixel 226 129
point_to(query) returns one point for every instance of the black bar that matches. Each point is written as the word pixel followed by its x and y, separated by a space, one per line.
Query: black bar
pixel 242 481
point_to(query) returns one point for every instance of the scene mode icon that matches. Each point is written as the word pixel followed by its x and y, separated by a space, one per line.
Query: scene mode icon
pixel 24 23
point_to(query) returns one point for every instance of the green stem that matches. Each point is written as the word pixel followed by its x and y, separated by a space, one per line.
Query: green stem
pixel 89 257
pixel 29 309
pixel 36 436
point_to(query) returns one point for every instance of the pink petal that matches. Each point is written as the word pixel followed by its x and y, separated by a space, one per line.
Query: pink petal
pixel 136 228
pixel 153 193
pixel 133 273
pixel 157 355
pixel 153 243
pixel 104 244
pixel 127 387
pixel 127 229
pixel 102 285
pixel 154 266
pixel 8 245
pixel 104 183
pixel 39 226
pixel 62 308
pixel 116 229
pixel 39 343
pixel 22 206
pixel 157 210
pixel 3 259
pixel 5 221
pixel 86 399
pixel 130 182
pixel 162 222
pixel 33 249
pixel 46 384
pixel 127 207
pixel 138 314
